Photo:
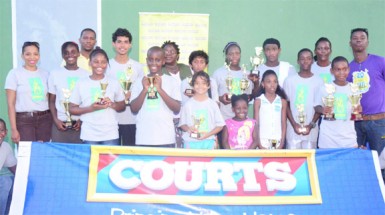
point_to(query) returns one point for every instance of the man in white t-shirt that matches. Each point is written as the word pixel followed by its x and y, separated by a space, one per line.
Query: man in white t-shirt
pixel 122 68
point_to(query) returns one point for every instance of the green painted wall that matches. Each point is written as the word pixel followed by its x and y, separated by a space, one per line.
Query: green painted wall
pixel 296 23
pixel 5 53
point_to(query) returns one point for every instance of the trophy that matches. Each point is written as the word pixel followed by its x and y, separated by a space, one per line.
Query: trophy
pixel 273 143
pixel 256 60
pixel 229 81
pixel 67 94
pixel 301 118
pixel 152 94
pixel 197 123
pixel 355 99
pixel 329 101
pixel 189 91
pixel 103 87
pixel 244 81
pixel 126 85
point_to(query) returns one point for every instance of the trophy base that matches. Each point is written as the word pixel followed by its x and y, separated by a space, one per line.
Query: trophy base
pixel 101 101
pixel 356 117
pixel 127 102
pixel 195 135
pixel 228 97
pixel 329 118
pixel 152 95
pixel 302 129
pixel 189 91
pixel 69 124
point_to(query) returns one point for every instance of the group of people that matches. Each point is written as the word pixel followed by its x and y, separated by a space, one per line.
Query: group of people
pixel 97 100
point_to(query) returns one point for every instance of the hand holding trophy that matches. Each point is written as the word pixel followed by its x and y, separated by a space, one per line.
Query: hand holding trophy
pixel 197 123
pixel 256 60
pixel 67 94
pixel 229 81
pixel 355 99
pixel 301 118
pixel 103 90
pixel 329 101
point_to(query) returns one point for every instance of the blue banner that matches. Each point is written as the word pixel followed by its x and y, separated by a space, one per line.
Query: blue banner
pixel 55 178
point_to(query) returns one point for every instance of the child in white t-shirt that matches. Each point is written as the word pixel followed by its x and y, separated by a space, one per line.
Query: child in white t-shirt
pixel 200 118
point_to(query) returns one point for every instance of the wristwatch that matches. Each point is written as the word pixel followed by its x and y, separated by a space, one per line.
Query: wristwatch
pixel 313 124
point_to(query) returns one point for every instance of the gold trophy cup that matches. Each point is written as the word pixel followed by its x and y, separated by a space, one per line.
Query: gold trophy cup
pixel 103 90
pixel 329 101
pixel 126 85
pixel 301 118
pixel 244 84
pixel 273 143
pixel 229 81
pixel 355 99
pixel 189 91
pixel 256 60
pixel 67 94
pixel 197 123
pixel 152 94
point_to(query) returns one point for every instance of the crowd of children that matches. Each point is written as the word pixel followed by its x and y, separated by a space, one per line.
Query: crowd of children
pixel 178 105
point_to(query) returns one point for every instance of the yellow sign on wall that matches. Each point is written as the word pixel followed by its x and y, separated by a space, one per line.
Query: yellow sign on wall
pixel 189 31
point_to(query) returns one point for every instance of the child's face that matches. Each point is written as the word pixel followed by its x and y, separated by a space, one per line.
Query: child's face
pixel 155 61
pixel 271 52
pixel 323 51
pixel 201 86
pixel 233 55
pixel 198 64
pixel 305 60
pixel 122 45
pixel 270 83
pixel 70 55
pixel 240 109
pixel 340 70
pixel 98 64
pixel 3 132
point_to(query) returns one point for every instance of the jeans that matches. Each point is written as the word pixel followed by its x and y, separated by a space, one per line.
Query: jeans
pixel 34 128
pixel 6 184
pixel 114 142
pixel 127 134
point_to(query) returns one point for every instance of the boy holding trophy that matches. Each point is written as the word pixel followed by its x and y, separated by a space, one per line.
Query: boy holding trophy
pixel 339 133
pixel 155 103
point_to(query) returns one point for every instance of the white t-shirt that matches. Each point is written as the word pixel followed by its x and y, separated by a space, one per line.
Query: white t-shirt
pixel 154 121
pixel 7 158
pixel 207 110
pixel 118 71
pixel 220 76
pixel 283 70
pixel 31 89
pixel 213 88
pixel 341 132
pixel 302 91
pixel 322 72
pixel 64 79
pixel 98 125
pixel 270 114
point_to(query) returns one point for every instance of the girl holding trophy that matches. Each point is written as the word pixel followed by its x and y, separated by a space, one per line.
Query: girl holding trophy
pixel 200 117
pixel 97 99
pixel 339 133
pixel 270 112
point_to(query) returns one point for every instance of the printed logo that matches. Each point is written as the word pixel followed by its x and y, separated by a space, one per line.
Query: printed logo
pixel 362 79
pixel 37 89
pixel 340 106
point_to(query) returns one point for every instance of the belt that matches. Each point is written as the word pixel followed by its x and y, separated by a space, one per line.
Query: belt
pixel 34 113
pixel 374 116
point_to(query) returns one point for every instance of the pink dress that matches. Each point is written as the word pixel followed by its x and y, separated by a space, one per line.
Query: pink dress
pixel 240 133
